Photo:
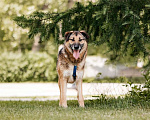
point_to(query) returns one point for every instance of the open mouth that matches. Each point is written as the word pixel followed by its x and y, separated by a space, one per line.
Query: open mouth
pixel 76 51
pixel 76 54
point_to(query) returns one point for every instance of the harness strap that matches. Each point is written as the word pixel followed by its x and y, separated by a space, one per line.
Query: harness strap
pixel 74 72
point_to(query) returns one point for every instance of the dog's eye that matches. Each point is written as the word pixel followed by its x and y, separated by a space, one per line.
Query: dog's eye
pixel 81 39
pixel 72 39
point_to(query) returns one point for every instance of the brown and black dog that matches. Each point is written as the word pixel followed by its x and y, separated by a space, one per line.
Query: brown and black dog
pixel 72 54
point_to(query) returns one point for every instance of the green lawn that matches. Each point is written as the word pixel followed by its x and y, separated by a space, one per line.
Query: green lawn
pixel 102 109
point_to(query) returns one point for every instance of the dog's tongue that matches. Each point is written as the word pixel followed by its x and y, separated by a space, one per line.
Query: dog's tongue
pixel 76 54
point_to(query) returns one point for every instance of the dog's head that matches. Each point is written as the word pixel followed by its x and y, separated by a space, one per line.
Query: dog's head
pixel 76 42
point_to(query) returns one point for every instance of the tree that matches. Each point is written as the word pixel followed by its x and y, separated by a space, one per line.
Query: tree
pixel 122 25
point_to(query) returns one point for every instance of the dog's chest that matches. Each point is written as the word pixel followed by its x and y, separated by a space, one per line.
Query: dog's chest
pixel 69 74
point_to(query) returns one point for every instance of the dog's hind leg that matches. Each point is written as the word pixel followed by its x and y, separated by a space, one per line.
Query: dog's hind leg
pixel 79 93
pixel 63 88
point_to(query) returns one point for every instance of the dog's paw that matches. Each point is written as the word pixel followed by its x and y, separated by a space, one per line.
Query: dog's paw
pixel 63 106
pixel 82 105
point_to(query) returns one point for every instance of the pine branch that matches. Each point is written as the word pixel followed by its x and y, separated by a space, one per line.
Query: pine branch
pixel 123 25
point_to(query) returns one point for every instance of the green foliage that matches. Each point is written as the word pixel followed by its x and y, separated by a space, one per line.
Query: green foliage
pixel 122 25
pixel 35 67
pixel 147 77
pixel 141 92
pixel 13 38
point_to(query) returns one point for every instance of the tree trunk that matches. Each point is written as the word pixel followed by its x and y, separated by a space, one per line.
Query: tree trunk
pixel 70 3
pixel 69 6
pixel 36 44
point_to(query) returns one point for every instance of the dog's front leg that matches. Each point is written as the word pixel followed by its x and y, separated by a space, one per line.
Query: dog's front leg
pixel 63 88
pixel 79 93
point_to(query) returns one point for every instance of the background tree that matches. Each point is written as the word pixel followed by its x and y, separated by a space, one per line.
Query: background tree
pixel 123 25
pixel 24 65
pixel 13 38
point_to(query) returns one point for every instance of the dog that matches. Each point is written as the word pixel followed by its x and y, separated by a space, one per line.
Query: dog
pixel 70 64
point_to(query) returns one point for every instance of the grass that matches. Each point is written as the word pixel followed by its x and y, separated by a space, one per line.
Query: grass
pixel 139 80
pixel 100 109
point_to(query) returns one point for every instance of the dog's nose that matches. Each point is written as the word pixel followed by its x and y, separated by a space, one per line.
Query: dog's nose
pixel 76 46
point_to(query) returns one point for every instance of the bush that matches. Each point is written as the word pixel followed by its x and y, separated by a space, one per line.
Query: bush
pixel 18 67
pixel 141 92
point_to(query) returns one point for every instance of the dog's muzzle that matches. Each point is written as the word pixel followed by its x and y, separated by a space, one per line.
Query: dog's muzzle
pixel 76 47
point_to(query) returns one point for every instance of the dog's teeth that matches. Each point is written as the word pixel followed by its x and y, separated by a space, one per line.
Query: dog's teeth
pixel 79 47
pixel 73 47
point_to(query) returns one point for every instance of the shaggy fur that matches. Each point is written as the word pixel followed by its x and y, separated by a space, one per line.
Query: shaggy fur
pixel 73 53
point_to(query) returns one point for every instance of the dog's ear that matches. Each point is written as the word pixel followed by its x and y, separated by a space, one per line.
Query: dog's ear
pixel 84 34
pixel 67 35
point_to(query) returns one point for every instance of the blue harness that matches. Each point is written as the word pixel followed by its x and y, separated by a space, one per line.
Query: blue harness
pixel 74 72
